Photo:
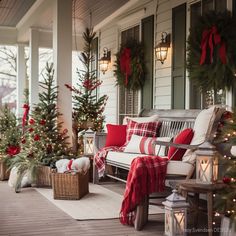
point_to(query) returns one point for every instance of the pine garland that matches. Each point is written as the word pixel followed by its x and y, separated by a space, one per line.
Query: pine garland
pixel 134 78
pixel 213 74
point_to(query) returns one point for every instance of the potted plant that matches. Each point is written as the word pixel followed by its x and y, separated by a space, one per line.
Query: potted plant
pixel 9 140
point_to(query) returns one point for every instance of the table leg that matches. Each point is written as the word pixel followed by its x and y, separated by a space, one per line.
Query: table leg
pixel 196 209
pixel 210 212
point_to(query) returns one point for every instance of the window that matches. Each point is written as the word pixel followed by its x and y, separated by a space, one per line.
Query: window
pixel 198 100
pixel 128 99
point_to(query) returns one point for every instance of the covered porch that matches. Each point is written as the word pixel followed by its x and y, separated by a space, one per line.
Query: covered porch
pixel 59 25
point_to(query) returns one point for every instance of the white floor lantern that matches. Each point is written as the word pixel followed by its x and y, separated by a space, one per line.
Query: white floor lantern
pixel 206 163
pixel 175 215
pixel 89 142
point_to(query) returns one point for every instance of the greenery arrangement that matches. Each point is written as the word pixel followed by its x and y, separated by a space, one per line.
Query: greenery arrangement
pixel 211 60
pixel 10 135
pixel 88 107
pixel 225 200
pixel 129 65
pixel 43 142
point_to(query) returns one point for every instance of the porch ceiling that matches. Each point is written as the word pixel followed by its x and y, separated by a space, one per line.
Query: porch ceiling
pixel 11 11
pixel 21 15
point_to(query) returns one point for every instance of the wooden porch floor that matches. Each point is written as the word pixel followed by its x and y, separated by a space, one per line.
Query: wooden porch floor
pixel 29 213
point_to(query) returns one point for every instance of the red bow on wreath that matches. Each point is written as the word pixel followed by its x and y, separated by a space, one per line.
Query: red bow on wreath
pixel 211 37
pixel 125 63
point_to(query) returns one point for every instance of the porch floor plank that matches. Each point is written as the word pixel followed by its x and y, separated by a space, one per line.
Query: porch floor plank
pixel 29 213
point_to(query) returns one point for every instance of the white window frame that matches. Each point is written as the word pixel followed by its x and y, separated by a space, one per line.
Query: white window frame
pixel 229 94
pixel 125 24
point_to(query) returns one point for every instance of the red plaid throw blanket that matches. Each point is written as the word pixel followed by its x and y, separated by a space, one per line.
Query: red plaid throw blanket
pixel 100 157
pixel 146 175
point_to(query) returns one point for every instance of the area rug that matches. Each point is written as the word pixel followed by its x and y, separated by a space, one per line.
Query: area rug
pixel 100 203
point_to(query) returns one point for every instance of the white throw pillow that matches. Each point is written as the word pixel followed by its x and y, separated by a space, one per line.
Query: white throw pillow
pixel 144 145
pixel 202 129
pixel 141 119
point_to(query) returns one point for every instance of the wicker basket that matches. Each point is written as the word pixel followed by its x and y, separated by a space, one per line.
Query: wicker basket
pixel 4 173
pixel 69 186
pixel 44 178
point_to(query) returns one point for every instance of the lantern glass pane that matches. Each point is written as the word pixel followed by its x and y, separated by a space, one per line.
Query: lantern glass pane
pixel 103 66
pixel 207 169
pixel 88 145
pixel 161 53
pixel 179 222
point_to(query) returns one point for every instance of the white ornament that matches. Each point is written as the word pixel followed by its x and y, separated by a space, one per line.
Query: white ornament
pixel 233 150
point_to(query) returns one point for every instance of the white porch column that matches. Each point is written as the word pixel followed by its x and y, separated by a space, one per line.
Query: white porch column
pixel 21 79
pixel 62 57
pixel 34 68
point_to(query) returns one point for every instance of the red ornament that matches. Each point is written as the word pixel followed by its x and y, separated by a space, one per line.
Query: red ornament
pixel 42 122
pixel 226 180
pixel 227 115
pixel 88 84
pixel 49 148
pixel 13 150
pixel 26 112
pixel 31 129
pixel 36 137
pixel 31 121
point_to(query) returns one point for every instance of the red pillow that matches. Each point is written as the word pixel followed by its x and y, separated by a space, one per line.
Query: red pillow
pixel 148 129
pixel 116 135
pixel 184 137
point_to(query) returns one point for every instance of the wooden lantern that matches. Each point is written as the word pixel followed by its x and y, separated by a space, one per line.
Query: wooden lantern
pixel 175 214
pixel 206 164
pixel 89 142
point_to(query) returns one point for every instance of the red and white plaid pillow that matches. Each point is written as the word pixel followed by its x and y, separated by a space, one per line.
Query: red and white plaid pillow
pixel 144 145
pixel 148 129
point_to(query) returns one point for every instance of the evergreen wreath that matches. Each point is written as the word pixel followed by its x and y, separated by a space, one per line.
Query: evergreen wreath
pixel 130 66
pixel 211 61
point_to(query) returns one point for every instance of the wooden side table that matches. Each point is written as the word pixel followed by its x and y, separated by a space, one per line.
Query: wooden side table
pixel 191 186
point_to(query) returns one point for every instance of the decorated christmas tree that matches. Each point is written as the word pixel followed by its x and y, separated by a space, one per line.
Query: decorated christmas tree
pixel 225 200
pixel 9 134
pixel 43 142
pixel 88 108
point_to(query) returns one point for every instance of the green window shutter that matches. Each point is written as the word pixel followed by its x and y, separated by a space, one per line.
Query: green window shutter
pixel 178 56
pixel 148 41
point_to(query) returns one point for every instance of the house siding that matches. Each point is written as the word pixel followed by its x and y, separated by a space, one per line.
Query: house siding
pixel 162 72
pixel 109 37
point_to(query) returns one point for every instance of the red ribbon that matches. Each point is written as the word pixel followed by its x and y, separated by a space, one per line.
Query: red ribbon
pixel 70 164
pixel 26 112
pixel 125 63
pixel 211 38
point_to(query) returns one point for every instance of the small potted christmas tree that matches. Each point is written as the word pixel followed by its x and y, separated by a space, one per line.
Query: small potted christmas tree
pixel 88 107
pixel 43 142
pixel 9 140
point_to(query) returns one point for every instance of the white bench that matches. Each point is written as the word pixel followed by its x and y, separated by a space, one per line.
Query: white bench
pixel 173 121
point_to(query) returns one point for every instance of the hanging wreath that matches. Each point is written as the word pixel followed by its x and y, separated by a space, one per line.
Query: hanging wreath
pixel 129 65
pixel 211 50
